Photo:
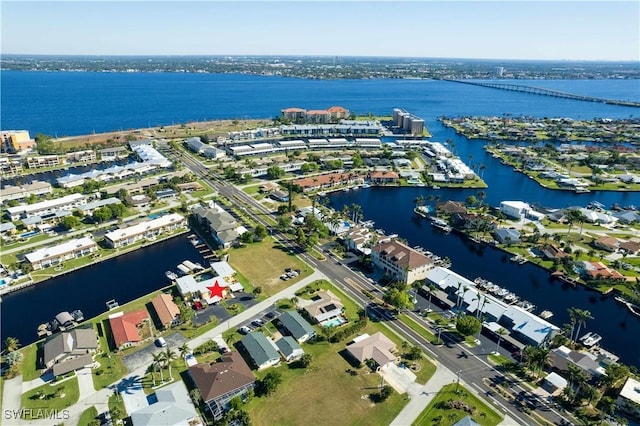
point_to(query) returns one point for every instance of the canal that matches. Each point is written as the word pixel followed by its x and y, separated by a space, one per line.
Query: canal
pixel 392 211
pixel 123 278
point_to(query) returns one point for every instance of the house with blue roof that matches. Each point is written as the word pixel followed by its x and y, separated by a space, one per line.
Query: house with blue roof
pixel 297 326
pixel 261 351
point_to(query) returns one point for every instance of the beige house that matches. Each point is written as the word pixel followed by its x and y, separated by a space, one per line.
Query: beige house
pixel 325 307
pixel 400 261
pixel 377 347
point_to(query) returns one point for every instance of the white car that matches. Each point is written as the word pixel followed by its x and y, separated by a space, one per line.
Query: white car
pixel 244 329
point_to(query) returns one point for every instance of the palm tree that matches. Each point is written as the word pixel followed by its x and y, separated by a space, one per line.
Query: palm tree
pixel 158 360
pixel 184 350
pixel 11 344
pixel 419 201
pixel 294 301
pixel 500 332
pixel 582 315
pixel 168 356
pixel 430 289
pixel 572 319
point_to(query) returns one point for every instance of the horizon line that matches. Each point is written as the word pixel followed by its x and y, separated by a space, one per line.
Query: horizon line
pixel 199 55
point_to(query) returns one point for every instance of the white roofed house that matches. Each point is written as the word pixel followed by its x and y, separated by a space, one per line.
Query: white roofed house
pixel 629 397
pixel 68 202
pixel 54 255
pixel 147 229
pixel 515 209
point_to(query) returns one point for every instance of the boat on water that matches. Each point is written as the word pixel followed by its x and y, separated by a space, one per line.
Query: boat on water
pixel 112 304
pixel 635 309
pixel 546 314
pixel 422 211
pixel 440 224
pixel 171 275
pixel 435 187
pixel 63 321
pixel 590 339
pixel 518 258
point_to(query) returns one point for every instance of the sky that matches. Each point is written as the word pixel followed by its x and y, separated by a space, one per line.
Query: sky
pixel 550 30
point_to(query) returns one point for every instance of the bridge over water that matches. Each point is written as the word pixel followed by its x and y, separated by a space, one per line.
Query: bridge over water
pixel 547 92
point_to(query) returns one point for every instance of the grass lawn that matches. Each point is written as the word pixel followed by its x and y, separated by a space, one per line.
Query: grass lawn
pixel 29 370
pixel 325 387
pixel 272 262
pixel 87 416
pixel 483 414
pixel 420 329
pixel 68 394
pixel 498 359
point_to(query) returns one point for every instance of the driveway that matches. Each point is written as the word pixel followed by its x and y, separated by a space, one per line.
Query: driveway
pixel 399 378
pixel 144 357
pixel 203 316
pixel 85 383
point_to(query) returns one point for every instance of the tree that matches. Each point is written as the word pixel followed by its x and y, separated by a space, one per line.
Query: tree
pixel 168 356
pixel 69 222
pixel 385 393
pixel 158 359
pixel 414 353
pixel 186 313
pixel 11 344
pixel 261 232
pixel 582 315
pixel 270 382
pixel 102 214
pixel 398 299
pixel 500 332
pixel 275 172
pixel 184 349
pixel 246 237
pixel 305 360
pixel 468 325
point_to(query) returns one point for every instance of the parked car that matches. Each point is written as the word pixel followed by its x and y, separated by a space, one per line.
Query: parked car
pixel 244 329
pixel 257 322
pixel 160 342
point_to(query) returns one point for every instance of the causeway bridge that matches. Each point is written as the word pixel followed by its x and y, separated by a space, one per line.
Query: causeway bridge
pixel 546 92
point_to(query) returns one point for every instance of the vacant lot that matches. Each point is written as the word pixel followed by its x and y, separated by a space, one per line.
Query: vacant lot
pixel 263 263
pixel 325 394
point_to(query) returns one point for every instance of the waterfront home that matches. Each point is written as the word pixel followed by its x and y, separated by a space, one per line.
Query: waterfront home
pixel 400 262
pixel 296 326
pixel 172 406
pixel 130 328
pixel 222 226
pixel 325 306
pixel 562 357
pixel 551 251
pixel 514 209
pixel 630 247
pixel 144 230
pixel 327 181
pixel 220 382
pixel 260 349
pixel 54 255
pixel 383 177
pixel 68 202
pixel 16 141
pixel 597 217
pixel 358 239
pixel 451 207
pixel 376 347
pixel 629 398
pixel 42 161
pixel 211 290
pixel 289 348
pixel 21 192
pixel 167 311
pixel 627 216
pixel 599 271
pixel 507 235
pixel 70 350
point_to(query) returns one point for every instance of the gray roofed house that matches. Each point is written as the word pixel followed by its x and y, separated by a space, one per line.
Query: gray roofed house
pixel 289 348
pixel 505 235
pixel 223 227
pixel 173 408
pixel 7 227
pixel 466 421
pixel 65 347
pixel 93 205
pixel 297 326
pixel 261 350
pixel 141 142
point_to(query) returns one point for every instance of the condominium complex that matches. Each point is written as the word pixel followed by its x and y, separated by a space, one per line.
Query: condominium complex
pixel 147 229
pixel 54 255
pixel 400 261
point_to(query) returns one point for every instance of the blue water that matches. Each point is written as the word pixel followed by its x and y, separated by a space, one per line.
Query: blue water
pixel 69 103
pixel 29 234
pixel 61 103
pixel 333 323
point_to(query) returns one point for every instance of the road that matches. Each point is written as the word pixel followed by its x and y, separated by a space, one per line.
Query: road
pixel 469 364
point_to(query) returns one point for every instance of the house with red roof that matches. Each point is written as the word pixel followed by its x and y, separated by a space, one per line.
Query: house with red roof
pixel 384 176
pixel 600 271
pixel 129 328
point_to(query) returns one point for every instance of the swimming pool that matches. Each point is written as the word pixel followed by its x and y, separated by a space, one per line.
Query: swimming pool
pixel 29 234
pixel 333 322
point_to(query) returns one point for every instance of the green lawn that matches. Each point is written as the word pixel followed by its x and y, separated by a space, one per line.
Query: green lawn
pixel 68 394
pixel 29 370
pixel 88 416
pixel 262 264
pixel 323 393
pixel 420 329
pixel 482 413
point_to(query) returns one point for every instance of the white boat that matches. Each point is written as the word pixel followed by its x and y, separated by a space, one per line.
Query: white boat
pixel 171 275
pixel 591 340
pixel 546 314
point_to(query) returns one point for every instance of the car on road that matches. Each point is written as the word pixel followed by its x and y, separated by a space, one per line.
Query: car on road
pixel 388 315
pixel 160 342
pixel 244 329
